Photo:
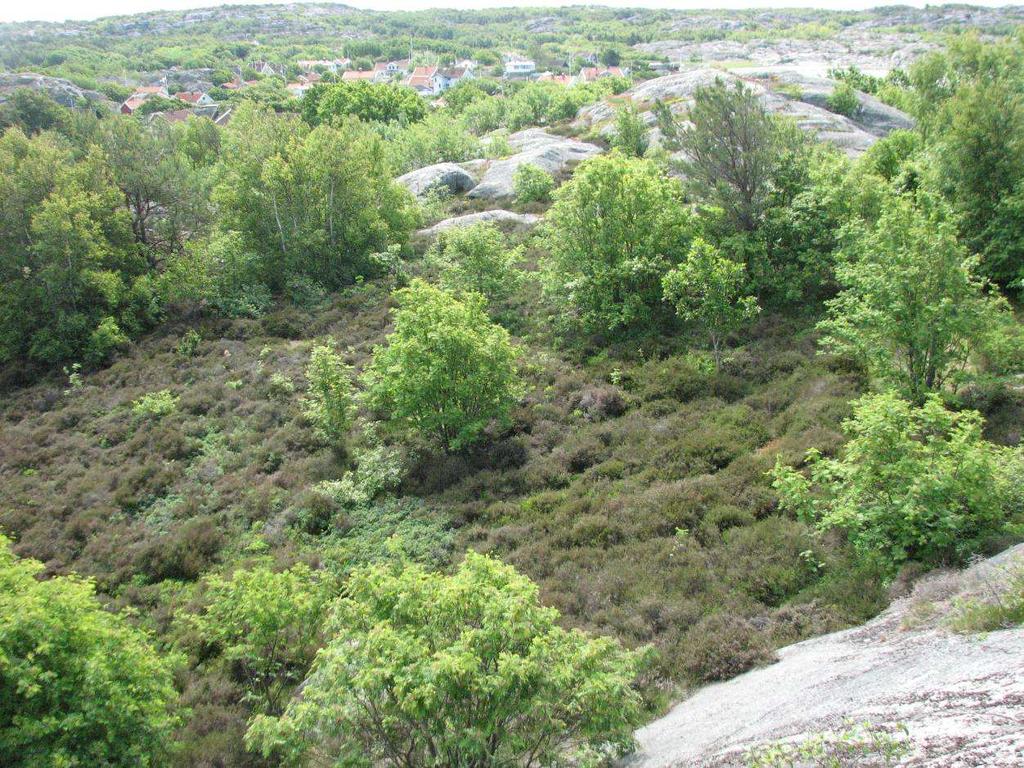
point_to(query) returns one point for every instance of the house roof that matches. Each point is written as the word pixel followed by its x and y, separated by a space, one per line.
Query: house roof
pixel 454 73
pixel 358 74
pixel 133 103
pixel 151 89
pixel 560 79
pixel 380 66
pixel 192 97
pixel 175 115
pixel 593 73
pixel 422 78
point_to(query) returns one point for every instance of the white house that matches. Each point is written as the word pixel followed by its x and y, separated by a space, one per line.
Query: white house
pixel 516 66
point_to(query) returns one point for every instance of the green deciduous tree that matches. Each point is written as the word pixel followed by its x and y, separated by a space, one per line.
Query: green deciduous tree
pixel 313 203
pixel 329 404
pixel 370 102
pixel 911 307
pixel 79 686
pixel 447 372
pixel 426 670
pixel 917 483
pixel 74 282
pixel 477 259
pixel 613 231
pixel 267 627
pixel 707 288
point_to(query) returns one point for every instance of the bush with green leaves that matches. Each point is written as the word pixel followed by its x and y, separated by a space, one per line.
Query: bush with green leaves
pixel 266 627
pixel 532 184
pixel 477 259
pixel 370 102
pixel 438 138
pixel 843 100
pixel 913 483
pixel 329 404
pixel 912 308
pixel 707 288
pixel 79 685
pixel 630 134
pixel 615 229
pixel 447 373
pixel 469 669
pixel 155 405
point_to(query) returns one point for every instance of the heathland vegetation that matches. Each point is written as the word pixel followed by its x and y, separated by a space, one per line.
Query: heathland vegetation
pixel 287 478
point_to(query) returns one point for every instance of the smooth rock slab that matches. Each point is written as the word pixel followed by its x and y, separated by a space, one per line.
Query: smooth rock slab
pixel 498 216
pixel 536 147
pixel 961 697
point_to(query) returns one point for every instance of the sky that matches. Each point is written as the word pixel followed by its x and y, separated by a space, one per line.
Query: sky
pixel 61 10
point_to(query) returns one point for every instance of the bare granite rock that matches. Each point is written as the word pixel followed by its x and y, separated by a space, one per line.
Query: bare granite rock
pixel 64 92
pixel 551 153
pixel 447 176
pixel 960 697
pixel 497 216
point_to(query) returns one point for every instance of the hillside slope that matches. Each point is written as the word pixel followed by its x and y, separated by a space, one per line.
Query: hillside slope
pixel 959 696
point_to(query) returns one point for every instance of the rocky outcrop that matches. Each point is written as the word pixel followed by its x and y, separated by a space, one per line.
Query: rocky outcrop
pixel 554 154
pixel 497 216
pixel 64 92
pixel 781 91
pixel 446 176
pixel 959 696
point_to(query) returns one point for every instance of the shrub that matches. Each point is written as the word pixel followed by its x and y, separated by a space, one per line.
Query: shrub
pixel 532 184
pixel 188 344
pixel 913 483
pixel 843 100
pixel 723 645
pixel 329 405
pixel 613 231
pixel 155 405
pixel 630 136
pixel 477 259
pixel 267 626
pixel 469 666
pixel 447 372
pixel 79 684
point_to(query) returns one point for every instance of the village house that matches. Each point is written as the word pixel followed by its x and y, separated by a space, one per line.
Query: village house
pixel 351 75
pixel 196 98
pixel 549 77
pixel 592 74
pixel 329 65
pixel 425 81
pixel 139 97
pixel 519 67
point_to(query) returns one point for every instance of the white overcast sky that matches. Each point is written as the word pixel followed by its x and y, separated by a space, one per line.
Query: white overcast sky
pixel 60 10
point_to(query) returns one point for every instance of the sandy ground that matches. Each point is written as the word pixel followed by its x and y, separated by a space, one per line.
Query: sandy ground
pixel 961 697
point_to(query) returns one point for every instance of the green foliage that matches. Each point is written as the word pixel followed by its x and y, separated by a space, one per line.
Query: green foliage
pixel 911 307
pixel 308 202
pixel 856 744
pixel 189 343
pixel 467 669
pixel 843 100
pixel 438 138
pixel 74 284
pixel 707 288
pixel 999 606
pixel 329 405
pixel 532 184
pixel 32 111
pixel 155 405
pixel 630 136
pixel 736 149
pixel 613 232
pixel 912 483
pixel 266 627
pixel 447 372
pixel 159 104
pixel 478 259
pixel 370 102
pixel 78 685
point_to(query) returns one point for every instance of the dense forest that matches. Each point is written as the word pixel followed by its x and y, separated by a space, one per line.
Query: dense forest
pixel 298 468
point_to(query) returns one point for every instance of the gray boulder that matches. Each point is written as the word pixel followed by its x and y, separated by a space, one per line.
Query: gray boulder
pixel 536 147
pixel 447 176
pixel 497 216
